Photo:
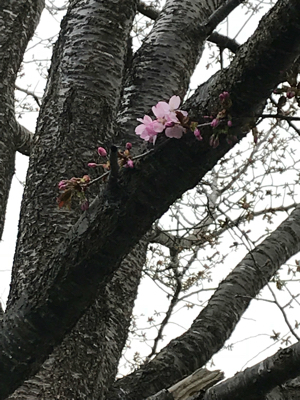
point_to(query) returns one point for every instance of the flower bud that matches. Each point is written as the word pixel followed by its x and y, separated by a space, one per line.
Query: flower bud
pixel 102 152
pixel 215 122
pixel 62 185
pixel 128 146
pixel 130 164
pixel 92 165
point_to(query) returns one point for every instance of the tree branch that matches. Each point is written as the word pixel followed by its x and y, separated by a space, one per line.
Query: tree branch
pixel 220 40
pixel 255 382
pixel 148 11
pixel 23 140
pixel 30 93
pixel 220 14
pixel 199 381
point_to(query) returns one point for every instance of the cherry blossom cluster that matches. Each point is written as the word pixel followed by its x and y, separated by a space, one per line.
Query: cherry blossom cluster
pixel 76 187
pixel 169 118
pixel 73 187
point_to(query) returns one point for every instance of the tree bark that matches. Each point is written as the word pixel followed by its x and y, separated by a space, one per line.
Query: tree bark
pixel 85 364
pixel 18 20
pixel 255 382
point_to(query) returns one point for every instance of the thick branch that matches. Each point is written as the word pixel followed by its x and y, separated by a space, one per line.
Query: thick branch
pixel 148 11
pixel 199 381
pixel 255 382
pixel 189 34
pixel 224 42
pixel 23 140
pixel 220 40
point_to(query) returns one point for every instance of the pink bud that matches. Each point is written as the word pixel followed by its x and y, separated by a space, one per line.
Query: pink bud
pixel 128 146
pixel 197 134
pixel 86 178
pixel 130 164
pixel 229 123
pixel 224 96
pixel 102 152
pixel 62 185
pixel 215 122
pixel 92 165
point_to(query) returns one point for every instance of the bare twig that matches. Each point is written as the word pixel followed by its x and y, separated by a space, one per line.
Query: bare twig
pixel 29 93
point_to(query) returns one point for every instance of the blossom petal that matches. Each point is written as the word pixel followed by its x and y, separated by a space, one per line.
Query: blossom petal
pixel 175 132
pixel 174 103
pixel 161 109
pixel 158 126
pixel 140 129
pixel 146 120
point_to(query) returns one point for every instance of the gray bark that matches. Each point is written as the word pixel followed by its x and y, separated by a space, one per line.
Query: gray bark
pixel 85 364
pixel 255 382
pixel 18 20
pixel 84 96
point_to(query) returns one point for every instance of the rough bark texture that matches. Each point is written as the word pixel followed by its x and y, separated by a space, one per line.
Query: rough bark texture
pixel 288 391
pixel 76 117
pixel 166 60
pixel 85 364
pixel 18 20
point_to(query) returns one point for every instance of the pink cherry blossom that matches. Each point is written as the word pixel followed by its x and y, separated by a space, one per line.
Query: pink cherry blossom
pixel 149 129
pixel 102 152
pixel 224 96
pixel 165 112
